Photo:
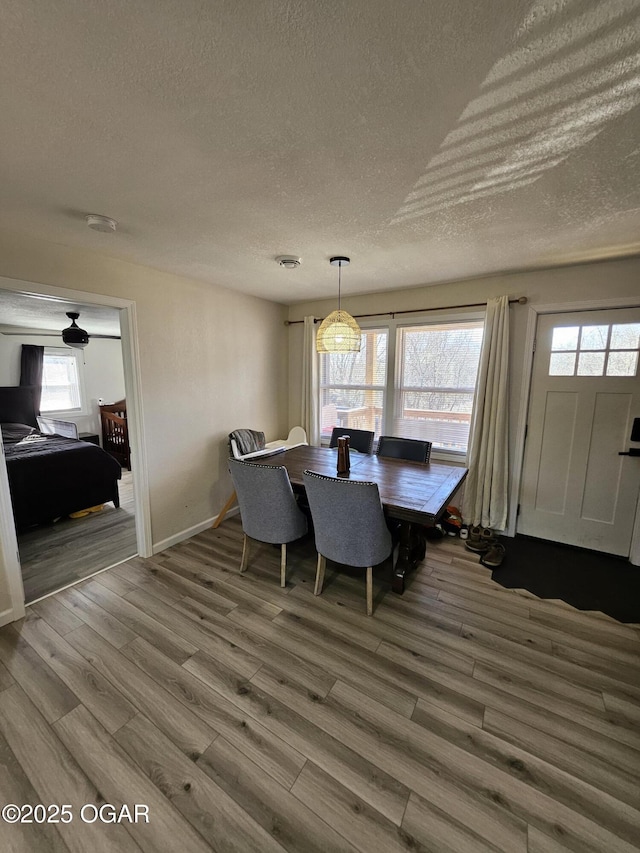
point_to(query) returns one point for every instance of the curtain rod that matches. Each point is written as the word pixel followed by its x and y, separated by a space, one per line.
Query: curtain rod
pixel 522 300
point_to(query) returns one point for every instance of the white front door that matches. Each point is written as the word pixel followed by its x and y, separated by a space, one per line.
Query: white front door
pixel 585 394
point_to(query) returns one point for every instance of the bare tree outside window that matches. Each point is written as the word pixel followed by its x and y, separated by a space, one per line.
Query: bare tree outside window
pixel 437 370
pixel 352 385
pixel 433 383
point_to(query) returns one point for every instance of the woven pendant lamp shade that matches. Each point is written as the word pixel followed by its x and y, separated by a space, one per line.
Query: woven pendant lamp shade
pixel 338 332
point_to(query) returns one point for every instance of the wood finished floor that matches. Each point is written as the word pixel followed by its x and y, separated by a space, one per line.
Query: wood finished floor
pixel 461 717
pixel 55 555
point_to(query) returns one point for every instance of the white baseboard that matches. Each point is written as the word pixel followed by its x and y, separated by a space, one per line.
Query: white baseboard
pixel 7 616
pixel 190 531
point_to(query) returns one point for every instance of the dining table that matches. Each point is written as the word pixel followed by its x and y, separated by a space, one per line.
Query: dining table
pixel 414 494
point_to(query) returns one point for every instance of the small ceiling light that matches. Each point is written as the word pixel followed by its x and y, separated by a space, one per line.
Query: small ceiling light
pixel 74 336
pixel 289 262
pixel 101 223
pixel 339 332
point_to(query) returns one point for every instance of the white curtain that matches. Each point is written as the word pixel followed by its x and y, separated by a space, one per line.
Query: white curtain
pixel 485 495
pixel 310 387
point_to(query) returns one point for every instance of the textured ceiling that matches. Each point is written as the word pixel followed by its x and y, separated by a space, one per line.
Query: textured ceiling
pixel 429 141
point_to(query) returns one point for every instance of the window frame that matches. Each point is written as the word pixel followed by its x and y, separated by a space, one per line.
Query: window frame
pixel 382 388
pixel 70 352
pixel 389 395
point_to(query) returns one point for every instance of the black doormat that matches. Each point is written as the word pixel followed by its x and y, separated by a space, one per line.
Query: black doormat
pixel 588 580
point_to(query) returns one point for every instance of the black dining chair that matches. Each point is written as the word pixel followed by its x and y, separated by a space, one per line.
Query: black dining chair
pixel 359 439
pixel 349 526
pixel 268 508
pixel 411 449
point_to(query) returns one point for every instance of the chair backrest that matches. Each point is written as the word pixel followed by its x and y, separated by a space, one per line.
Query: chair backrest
pixel 359 439
pixel 411 449
pixel 243 441
pixel 348 520
pixel 267 504
pixel 297 435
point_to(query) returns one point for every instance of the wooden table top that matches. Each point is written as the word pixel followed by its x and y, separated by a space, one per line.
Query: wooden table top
pixel 409 490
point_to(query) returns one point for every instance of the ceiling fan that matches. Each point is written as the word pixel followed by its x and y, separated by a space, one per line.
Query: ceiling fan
pixel 72 336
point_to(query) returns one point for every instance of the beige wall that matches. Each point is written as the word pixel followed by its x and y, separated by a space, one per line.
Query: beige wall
pixel 576 284
pixel 211 361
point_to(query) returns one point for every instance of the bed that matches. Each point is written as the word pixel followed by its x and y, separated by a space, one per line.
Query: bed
pixel 50 475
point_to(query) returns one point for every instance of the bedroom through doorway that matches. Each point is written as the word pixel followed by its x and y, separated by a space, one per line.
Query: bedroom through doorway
pixel 60 551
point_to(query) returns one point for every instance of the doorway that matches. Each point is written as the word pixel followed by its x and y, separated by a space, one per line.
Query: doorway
pixel 584 397
pixel 136 500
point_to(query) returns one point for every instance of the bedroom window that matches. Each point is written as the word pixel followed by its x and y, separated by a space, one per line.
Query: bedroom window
pixel 61 385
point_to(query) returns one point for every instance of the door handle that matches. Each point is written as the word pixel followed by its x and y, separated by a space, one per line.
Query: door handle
pixel 632 451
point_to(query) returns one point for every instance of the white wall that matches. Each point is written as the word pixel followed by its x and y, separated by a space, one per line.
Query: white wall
pixel 578 283
pixel 211 360
pixel 102 368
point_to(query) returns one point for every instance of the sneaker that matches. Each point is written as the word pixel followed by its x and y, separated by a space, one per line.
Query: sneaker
pixel 480 539
pixel 494 556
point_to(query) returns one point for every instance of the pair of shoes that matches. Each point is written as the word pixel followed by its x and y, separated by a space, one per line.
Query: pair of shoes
pixel 82 512
pixel 479 540
pixel 494 556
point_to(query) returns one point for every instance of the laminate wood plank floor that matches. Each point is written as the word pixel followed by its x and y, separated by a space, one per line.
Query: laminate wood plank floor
pixel 55 555
pixel 460 717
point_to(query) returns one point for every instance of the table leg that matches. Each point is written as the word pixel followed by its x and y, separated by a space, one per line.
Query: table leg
pixel 411 551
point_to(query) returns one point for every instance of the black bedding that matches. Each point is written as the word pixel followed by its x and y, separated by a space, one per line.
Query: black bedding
pixel 51 476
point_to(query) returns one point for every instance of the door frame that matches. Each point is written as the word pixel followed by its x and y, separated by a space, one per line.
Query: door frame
pixel 9 555
pixel 534 311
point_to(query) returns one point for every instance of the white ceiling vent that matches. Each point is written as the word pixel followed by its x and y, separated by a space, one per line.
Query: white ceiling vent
pixel 101 223
pixel 289 262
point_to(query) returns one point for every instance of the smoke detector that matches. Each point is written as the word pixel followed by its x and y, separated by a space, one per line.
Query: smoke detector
pixel 101 223
pixel 289 262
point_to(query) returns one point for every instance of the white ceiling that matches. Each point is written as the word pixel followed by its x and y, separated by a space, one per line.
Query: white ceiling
pixel 429 141
pixel 20 312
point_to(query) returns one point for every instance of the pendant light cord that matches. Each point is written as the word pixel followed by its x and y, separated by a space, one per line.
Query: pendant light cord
pixel 339 283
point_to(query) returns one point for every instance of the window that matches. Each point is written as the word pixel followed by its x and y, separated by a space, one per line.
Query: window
pixel 352 385
pixel 413 381
pixel 599 350
pixel 60 381
pixel 437 366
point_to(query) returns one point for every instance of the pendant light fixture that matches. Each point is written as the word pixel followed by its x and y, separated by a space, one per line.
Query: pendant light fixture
pixel 74 336
pixel 338 332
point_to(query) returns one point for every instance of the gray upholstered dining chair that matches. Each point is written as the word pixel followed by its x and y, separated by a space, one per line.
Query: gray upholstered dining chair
pixel 412 449
pixel 360 439
pixel 268 508
pixel 349 524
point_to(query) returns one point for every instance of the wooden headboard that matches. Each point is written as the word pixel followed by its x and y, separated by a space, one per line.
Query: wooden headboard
pixel 18 405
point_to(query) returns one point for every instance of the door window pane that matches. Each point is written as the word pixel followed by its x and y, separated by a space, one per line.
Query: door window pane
pixel 622 364
pixel 591 364
pixel 616 346
pixel 562 364
pixel 625 336
pixel 594 337
pixel 565 338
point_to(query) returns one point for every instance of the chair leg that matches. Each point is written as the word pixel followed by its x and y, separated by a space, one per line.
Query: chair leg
pixel 225 509
pixel 322 562
pixel 283 564
pixel 369 590
pixel 245 553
